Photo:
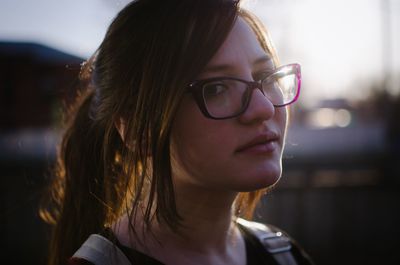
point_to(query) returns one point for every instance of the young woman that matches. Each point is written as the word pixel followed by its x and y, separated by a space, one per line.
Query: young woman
pixel 179 131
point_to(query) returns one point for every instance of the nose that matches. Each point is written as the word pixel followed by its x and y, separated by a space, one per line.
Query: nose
pixel 259 109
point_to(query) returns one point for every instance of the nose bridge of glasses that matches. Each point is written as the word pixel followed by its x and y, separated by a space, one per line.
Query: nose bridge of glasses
pixel 256 85
pixel 259 105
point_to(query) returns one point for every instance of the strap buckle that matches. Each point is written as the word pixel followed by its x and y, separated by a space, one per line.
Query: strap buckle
pixel 275 242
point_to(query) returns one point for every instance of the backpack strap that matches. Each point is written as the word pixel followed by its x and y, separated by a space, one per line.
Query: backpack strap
pixel 101 251
pixel 275 243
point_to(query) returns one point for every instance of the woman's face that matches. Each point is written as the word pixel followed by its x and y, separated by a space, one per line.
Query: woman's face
pixel 237 154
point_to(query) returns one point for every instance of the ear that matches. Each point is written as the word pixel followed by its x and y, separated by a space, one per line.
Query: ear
pixel 120 125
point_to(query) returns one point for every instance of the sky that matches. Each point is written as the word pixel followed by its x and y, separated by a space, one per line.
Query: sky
pixel 341 44
pixel 344 46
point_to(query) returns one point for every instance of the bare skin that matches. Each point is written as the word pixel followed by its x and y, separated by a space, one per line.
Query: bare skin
pixel 208 235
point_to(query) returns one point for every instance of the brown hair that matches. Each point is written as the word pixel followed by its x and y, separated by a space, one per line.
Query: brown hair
pixel 151 51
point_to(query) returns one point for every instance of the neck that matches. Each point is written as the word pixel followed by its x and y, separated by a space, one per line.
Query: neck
pixel 207 234
pixel 206 219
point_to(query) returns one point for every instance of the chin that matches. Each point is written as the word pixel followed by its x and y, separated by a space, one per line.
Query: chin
pixel 261 179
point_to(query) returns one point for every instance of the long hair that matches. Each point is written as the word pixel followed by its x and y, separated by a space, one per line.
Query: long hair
pixel 151 52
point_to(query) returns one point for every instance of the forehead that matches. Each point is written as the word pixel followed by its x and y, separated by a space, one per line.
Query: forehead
pixel 240 47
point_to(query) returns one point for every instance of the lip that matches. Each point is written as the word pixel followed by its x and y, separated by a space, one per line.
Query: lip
pixel 261 144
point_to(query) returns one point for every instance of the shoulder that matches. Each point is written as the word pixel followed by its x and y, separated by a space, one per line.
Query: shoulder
pixel 105 249
pixel 275 242
pixel 98 250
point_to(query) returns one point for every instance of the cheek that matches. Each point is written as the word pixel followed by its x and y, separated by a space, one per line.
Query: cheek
pixel 199 146
pixel 281 120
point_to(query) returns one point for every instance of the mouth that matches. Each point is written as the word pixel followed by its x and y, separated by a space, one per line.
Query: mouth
pixel 261 144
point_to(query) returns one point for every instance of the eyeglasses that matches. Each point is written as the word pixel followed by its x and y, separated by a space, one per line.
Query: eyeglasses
pixel 228 97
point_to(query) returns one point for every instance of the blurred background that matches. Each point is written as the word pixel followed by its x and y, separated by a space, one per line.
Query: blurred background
pixel 339 194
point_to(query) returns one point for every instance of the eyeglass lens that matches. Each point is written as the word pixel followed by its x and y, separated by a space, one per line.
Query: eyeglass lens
pixel 227 97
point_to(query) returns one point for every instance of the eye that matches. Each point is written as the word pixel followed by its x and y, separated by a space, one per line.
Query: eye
pixel 214 89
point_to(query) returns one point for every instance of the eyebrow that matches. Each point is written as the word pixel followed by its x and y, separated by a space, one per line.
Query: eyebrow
pixel 263 59
pixel 225 67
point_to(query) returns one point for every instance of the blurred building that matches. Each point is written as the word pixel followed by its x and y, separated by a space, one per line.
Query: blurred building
pixel 35 80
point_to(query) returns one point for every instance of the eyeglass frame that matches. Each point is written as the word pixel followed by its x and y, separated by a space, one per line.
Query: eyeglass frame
pixel 196 88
